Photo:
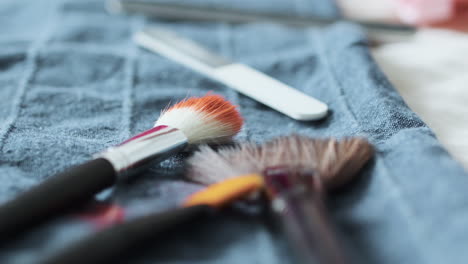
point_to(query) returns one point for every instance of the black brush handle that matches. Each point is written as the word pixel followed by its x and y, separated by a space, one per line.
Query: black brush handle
pixel 54 196
pixel 112 243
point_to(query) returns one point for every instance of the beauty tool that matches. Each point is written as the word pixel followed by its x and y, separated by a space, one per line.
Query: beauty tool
pixel 242 78
pixel 296 172
pixel 377 31
pixel 195 120
pixel 287 167
pixel 108 245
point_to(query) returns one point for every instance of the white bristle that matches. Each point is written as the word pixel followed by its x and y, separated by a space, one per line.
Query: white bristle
pixel 208 166
pixel 198 126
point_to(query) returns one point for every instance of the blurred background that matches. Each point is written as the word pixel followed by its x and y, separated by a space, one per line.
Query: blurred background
pixel 72 77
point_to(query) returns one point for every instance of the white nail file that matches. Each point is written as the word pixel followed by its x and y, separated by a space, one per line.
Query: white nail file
pixel 242 78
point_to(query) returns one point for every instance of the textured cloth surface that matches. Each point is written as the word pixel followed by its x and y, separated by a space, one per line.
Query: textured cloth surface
pixel 429 71
pixel 73 83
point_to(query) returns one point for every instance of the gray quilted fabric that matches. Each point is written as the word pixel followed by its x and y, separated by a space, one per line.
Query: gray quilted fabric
pixel 72 83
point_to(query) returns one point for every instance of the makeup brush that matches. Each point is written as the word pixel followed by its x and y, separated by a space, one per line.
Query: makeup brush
pixel 296 171
pixel 109 244
pixel 207 119
pixel 247 160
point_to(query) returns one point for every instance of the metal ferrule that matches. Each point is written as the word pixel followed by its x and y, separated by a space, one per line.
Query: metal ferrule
pixel 152 145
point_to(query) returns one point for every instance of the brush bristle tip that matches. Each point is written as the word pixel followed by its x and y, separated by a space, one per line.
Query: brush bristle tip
pixel 336 161
pixel 206 119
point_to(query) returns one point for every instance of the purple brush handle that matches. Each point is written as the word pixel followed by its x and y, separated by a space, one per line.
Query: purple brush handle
pixel 306 223
pixel 299 203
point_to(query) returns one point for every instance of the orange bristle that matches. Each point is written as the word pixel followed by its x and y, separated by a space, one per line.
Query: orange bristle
pixel 215 106
pixel 207 119
pixel 224 192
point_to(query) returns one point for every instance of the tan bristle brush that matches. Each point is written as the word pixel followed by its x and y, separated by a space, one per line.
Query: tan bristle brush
pixel 287 155
pixel 195 120
pixel 295 171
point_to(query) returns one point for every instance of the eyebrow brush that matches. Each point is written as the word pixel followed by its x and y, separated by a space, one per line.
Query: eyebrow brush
pixel 195 120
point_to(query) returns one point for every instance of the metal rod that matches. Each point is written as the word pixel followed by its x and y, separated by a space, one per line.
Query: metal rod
pixel 197 13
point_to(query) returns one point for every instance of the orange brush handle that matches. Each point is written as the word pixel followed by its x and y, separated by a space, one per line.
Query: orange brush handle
pixel 222 193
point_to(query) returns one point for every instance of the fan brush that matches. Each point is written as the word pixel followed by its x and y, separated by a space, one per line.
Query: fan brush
pixel 296 171
pixel 294 158
pixel 207 119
